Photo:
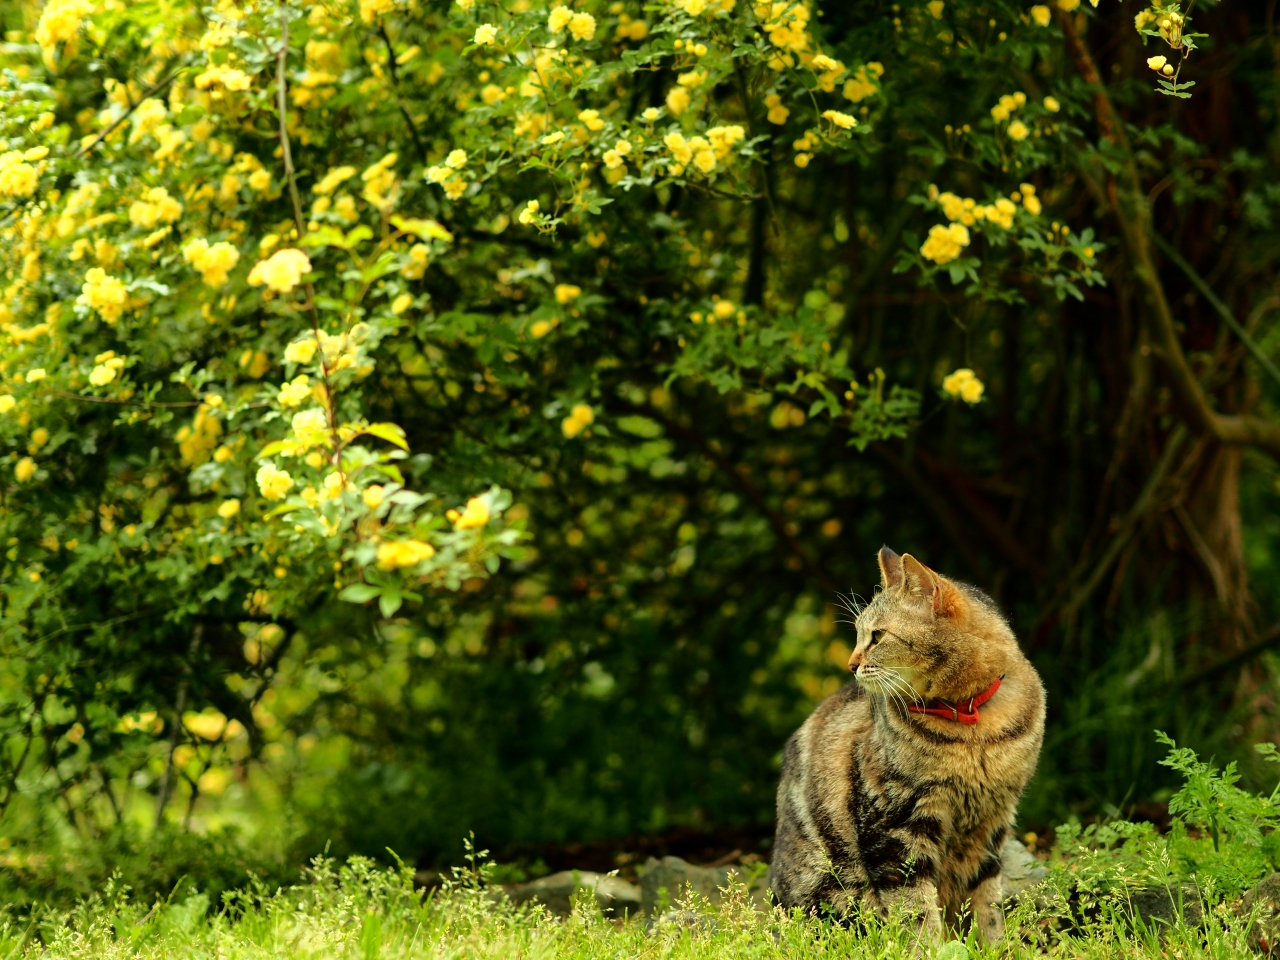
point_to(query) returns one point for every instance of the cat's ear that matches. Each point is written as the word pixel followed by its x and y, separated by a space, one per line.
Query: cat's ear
pixel 937 591
pixel 890 568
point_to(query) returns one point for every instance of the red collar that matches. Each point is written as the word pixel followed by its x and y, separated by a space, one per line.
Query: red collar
pixel 963 712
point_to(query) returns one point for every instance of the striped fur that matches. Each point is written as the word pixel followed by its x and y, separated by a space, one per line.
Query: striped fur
pixel 882 808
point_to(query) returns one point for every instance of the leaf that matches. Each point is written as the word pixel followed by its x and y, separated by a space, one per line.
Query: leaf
pixel 326 236
pixel 390 432
pixel 359 593
pixel 426 229
pixel 271 449
pixel 390 601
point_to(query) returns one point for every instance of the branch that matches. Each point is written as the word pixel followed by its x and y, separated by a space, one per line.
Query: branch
pixel 1133 213
pixel 156 88
pixel 1223 310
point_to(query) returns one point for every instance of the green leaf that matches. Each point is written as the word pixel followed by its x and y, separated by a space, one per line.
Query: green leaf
pixel 390 601
pixel 390 432
pixel 426 229
pixel 359 593
pixel 271 449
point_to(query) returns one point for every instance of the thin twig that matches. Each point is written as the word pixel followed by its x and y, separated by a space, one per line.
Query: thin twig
pixel 395 87
pixel 125 116
pixel 179 704
pixel 1223 310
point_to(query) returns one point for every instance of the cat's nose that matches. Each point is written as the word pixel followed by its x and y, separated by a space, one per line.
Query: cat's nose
pixel 855 660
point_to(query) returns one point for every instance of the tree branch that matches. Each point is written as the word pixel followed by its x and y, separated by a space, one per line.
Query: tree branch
pixel 1133 213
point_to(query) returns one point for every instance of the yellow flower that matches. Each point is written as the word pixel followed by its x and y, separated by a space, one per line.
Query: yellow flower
pixel 580 417
pixel 300 351
pixel 590 118
pixel 724 309
pixel 841 120
pixel 678 146
pixel 401 303
pixel 777 112
pixel 475 515
pixel 945 244
pixel 1052 105
pixel 935 8
pixel 1156 63
pixel 17 179
pixel 212 262
pixel 395 554
pixel 7 402
pixel 1066 6
pixel 582 26
pixel 559 18
pixel 529 213
pixel 39 437
pixel 103 293
pixel 373 496
pixel 105 372
pixel 36 374
pixel 539 329
pixel 566 292
pixel 282 271
pixel 1018 130
pixel 486 33
pixel 331 180
pixel 292 394
pixel 1032 204
pixel 156 206
pixel 228 508
pixel 25 470
pixel 60 21
pixel 273 482
pixel 311 427
pixel 456 160
pixel 963 384
pixel 1041 14
pixel 678 100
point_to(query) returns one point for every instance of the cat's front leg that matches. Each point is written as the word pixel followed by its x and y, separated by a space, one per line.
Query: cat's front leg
pixel 917 902
pixel 987 901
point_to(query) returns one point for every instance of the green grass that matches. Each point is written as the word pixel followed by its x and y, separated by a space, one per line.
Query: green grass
pixel 363 912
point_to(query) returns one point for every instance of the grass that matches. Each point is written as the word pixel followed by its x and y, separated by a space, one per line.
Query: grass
pixel 362 911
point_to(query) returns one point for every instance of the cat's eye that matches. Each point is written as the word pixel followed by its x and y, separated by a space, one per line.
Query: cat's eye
pixel 875 636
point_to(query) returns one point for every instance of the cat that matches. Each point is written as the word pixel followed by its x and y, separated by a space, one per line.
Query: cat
pixel 900 789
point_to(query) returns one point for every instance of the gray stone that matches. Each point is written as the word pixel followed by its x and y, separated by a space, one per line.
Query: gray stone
pixel 614 896
pixel 1022 871
pixel 673 875
pixel 1264 935
pixel 1160 907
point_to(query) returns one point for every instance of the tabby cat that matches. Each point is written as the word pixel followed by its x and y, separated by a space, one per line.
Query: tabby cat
pixel 898 792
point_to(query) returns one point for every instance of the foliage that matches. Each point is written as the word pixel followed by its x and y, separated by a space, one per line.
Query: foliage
pixel 1222 838
pixel 405 404
pixel 361 910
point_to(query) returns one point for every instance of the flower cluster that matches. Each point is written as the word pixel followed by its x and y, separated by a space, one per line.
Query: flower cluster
pixel 1004 109
pixel 963 383
pixel 580 417
pixel 282 271
pixel 945 244
pixel 212 262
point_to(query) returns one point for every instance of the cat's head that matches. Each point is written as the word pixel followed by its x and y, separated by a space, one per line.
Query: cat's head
pixel 926 636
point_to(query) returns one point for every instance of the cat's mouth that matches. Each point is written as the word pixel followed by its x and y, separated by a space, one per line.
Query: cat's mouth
pixel 886 681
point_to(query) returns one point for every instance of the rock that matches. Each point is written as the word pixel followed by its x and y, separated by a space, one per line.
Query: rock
pixel 673 874
pixel 1264 935
pixel 614 896
pixel 1160 907
pixel 1022 871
